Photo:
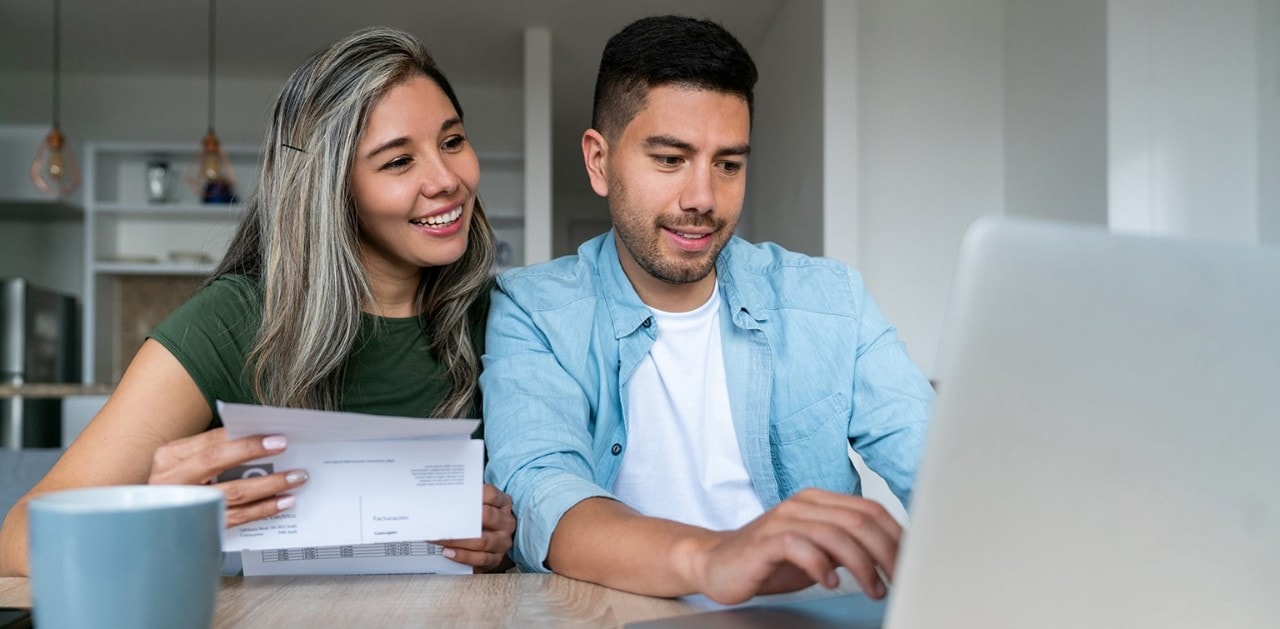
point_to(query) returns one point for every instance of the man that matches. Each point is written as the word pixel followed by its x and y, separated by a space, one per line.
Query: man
pixel 670 410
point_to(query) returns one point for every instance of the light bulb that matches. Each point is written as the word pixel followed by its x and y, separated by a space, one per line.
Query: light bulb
pixel 211 177
pixel 54 170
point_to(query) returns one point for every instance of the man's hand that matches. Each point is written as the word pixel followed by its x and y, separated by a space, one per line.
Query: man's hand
pixel 488 553
pixel 796 544
pixel 198 459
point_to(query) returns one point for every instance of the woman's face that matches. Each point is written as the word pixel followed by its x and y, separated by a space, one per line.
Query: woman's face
pixel 414 181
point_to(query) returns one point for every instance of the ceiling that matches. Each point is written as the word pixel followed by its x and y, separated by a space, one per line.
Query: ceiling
pixel 475 41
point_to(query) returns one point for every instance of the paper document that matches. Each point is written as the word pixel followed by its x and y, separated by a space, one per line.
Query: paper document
pixel 373 479
pixel 389 558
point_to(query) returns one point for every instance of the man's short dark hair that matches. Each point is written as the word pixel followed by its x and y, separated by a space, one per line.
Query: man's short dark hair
pixel 667 50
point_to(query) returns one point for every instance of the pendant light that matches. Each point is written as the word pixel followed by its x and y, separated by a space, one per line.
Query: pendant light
pixel 54 170
pixel 211 177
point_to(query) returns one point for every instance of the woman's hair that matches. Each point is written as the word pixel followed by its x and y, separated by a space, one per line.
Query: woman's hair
pixel 300 234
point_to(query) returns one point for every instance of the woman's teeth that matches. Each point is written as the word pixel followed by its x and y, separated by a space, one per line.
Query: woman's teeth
pixel 439 220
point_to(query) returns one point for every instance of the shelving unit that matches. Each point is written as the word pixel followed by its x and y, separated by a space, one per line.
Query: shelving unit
pixel 128 238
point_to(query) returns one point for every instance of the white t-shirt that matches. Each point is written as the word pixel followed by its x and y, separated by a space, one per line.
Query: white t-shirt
pixel 682 460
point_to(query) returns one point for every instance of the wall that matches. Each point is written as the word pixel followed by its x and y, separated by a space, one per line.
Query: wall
pixel 579 215
pixel 141 108
pixel 930 123
pixel 50 254
pixel 537 110
pixel 173 108
pixel 1183 117
pixel 1269 121
pixel 785 170
pixel 841 148
pixel 1055 109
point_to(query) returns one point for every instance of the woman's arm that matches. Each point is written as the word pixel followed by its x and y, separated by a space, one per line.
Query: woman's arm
pixel 150 431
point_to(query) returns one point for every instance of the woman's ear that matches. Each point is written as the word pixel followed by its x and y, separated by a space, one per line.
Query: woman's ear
pixel 595 155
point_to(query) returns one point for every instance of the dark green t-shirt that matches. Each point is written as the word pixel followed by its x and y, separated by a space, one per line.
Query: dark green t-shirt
pixel 389 373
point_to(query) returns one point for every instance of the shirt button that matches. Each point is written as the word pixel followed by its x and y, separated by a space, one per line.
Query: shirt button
pixel 646 323
pixel 617 449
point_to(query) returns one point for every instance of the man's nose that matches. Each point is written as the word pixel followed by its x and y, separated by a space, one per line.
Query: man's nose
pixel 698 194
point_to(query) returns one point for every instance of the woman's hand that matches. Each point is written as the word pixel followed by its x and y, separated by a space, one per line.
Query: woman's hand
pixel 488 553
pixel 199 459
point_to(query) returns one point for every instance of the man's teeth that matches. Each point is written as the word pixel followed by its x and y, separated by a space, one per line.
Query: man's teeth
pixel 439 220
pixel 691 236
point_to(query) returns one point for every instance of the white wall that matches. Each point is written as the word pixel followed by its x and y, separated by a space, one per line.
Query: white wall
pixel 841 148
pixel 129 108
pixel 536 107
pixel 142 108
pixel 930 100
pixel 50 254
pixel 1055 109
pixel 1183 111
pixel 785 169
pixel 1269 121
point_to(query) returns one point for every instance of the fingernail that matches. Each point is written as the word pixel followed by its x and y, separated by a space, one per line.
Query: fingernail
pixel 879 590
pixel 284 502
pixel 449 553
pixel 296 477
pixel 275 442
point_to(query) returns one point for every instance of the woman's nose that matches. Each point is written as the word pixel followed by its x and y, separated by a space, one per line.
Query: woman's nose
pixel 439 179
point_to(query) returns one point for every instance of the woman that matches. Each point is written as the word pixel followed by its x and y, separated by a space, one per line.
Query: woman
pixel 358 280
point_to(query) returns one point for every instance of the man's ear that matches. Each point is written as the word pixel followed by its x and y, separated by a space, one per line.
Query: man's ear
pixel 595 155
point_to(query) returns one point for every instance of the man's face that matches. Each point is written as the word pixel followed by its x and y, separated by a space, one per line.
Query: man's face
pixel 675 179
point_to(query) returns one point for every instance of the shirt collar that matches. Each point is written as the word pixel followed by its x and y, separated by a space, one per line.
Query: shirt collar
pixel 736 282
pixel 629 312
pixel 625 308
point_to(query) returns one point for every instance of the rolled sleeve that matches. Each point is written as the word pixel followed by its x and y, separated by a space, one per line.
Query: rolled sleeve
pixel 892 400
pixel 537 428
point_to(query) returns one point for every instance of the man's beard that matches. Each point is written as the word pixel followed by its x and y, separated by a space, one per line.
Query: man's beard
pixel 643 239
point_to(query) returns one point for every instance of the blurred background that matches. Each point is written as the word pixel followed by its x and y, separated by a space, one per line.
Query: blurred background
pixel 883 128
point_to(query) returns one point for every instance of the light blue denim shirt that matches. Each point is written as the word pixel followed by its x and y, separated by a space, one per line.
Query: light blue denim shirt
pixel 811 366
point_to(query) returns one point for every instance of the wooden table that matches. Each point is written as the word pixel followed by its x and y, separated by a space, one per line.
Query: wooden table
pixel 496 600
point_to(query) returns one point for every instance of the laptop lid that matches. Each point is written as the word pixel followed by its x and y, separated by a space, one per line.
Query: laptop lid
pixel 1105 451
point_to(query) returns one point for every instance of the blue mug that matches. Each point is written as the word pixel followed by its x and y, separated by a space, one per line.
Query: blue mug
pixel 125 556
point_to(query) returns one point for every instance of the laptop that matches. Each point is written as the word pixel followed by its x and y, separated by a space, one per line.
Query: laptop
pixel 1105 450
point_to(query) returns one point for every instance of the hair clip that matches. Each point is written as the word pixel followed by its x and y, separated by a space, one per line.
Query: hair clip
pixel 290 146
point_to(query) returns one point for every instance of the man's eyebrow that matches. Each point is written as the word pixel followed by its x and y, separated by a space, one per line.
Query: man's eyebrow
pixel 403 140
pixel 666 141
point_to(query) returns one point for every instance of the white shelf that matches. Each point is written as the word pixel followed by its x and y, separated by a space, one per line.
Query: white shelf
pixel 171 210
pixel 150 268
pixel 128 240
pixel 123 229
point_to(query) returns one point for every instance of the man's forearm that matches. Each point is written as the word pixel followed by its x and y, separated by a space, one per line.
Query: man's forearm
pixel 604 541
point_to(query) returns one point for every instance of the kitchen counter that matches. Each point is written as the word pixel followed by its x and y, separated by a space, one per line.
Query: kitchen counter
pixel 53 390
